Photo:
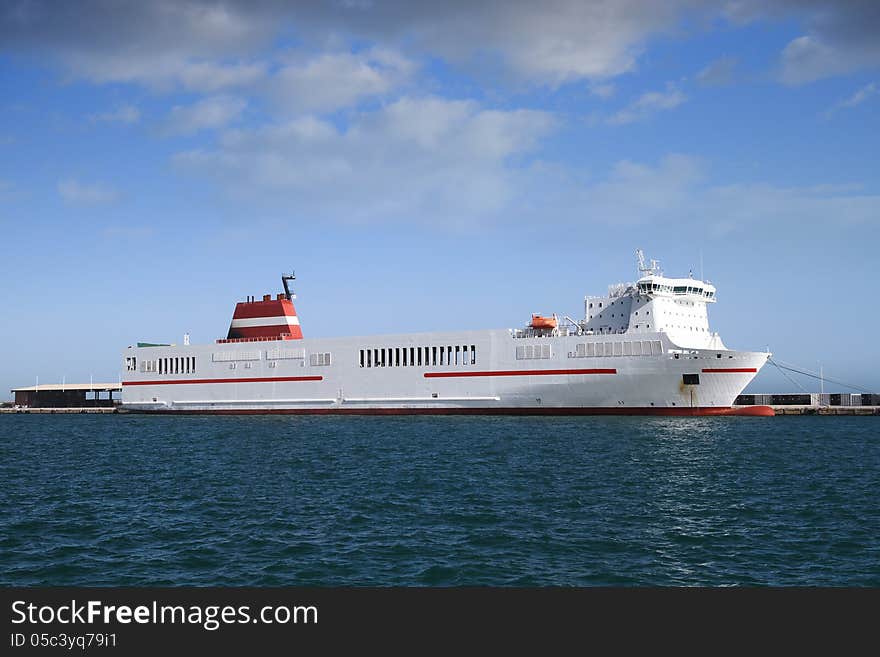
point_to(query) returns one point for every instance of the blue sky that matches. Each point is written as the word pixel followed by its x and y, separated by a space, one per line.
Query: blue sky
pixel 428 167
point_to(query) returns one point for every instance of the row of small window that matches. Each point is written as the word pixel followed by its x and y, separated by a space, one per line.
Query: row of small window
pixel 632 348
pixel 226 356
pixel 533 351
pixel 621 301
pixel 178 365
pixel 621 314
pixel 419 356
pixel 319 359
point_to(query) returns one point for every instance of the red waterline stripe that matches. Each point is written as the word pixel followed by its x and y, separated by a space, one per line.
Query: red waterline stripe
pixel 729 369
pixel 764 411
pixel 445 375
pixel 254 380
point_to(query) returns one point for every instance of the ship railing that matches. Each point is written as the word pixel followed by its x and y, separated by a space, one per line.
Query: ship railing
pixel 558 332
pixel 271 338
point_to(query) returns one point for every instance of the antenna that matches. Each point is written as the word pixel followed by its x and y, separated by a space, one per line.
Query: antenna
pixel 288 277
pixel 652 269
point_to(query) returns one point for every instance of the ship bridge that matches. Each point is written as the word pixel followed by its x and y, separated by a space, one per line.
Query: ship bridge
pixel 675 306
pixel 690 287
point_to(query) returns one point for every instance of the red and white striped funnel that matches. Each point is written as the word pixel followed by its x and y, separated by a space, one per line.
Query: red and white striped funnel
pixel 269 319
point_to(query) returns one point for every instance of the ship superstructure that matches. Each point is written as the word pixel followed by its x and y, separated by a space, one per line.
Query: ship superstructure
pixel 645 348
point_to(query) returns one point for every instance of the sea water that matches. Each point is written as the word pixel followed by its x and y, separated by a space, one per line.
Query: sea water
pixel 122 500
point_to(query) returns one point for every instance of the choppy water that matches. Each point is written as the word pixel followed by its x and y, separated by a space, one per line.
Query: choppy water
pixel 126 500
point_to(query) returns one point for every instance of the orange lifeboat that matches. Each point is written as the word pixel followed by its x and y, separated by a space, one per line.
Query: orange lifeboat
pixel 540 322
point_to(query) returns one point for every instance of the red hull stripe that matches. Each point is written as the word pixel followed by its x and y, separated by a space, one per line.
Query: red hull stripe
pixel 250 380
pixel 446 375
pixel 729 369
pixel 759 411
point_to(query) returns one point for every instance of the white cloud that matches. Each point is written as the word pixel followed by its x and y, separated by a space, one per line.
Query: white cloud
pixel 603 91
pixel 744 206
pixel 810 57
pixel 209 113
pixel 550 42
pixel 204 45
pixel 806 58
pixel 838 38
pixel 335 80
pixel 199 45
pixel 165 71
pixel 632 193
pixel 677 193
pixel 718 73
pixel 420 160
pixel 125 113
pixel 859 97
pixel 210 77
pixel 443 162
pixel 78 193
pixel 648 104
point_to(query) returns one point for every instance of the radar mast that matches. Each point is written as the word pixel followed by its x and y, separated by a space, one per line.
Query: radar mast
pixel 284 279
pixel 652 269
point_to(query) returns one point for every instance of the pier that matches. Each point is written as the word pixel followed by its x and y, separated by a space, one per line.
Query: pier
pixel 66 410
pixel 68 395
pixel 66 398
pixel 814 403
pixel 826 410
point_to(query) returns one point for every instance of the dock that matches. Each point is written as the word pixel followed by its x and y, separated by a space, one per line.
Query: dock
pixel 813 403
pixel 67 410
pixel 823 410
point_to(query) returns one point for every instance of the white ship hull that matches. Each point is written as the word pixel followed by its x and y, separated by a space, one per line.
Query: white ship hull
pixel 643 373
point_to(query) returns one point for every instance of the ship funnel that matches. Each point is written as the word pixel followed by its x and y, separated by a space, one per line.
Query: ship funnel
pixel 269 319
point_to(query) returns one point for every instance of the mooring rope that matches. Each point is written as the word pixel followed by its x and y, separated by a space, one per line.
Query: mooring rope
pixel 781 367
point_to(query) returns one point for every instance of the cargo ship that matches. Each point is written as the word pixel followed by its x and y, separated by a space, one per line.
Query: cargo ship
pixel 644 348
